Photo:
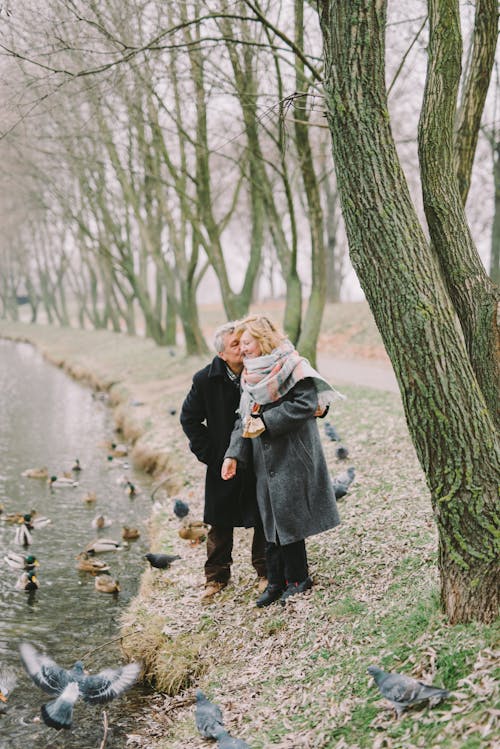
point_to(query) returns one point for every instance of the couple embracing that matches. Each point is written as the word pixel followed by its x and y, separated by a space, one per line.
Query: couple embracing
pixel 250 416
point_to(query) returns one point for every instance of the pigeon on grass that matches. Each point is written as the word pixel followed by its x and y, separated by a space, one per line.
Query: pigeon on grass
pixel 161 561
pixel 342 482
pixel 181 508
pixel 403 691
pixel 226 741
pixel 208 717
pixel 209 722
pixel 342 452
pixel 331 432
pixel 70 684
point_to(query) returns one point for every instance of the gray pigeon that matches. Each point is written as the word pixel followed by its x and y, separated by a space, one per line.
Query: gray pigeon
pixel 331 432
pixel 226 741
pixel 342 482
pixel 404 691
pixel 70 684
pixel 208 717
pixel 161 561
pixel 181 508
pixel 342 452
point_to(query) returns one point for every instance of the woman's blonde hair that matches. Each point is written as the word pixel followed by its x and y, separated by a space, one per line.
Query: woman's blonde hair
pixel 263 330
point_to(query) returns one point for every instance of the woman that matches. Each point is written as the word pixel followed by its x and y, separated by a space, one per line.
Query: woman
pixel 281 397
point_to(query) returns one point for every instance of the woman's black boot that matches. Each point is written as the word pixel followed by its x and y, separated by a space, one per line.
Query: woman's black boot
pixel 271 594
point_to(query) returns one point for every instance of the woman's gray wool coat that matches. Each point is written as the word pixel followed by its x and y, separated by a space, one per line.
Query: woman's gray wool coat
pixel 294 488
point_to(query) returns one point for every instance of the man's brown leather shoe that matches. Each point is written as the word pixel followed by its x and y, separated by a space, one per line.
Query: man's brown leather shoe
pixel 211 589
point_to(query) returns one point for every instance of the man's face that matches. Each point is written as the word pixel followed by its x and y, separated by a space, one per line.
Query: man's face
pixel 231 353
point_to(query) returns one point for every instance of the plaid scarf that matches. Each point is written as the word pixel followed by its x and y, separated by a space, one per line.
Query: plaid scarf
pixel 268 378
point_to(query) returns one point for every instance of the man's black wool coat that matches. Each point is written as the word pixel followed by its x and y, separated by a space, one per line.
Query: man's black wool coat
pixel 207 417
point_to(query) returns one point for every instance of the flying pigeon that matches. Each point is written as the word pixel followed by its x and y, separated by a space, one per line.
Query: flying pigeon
pixel 404 691
pixel 342 482
pixel 331 432
pixel 342 452
pixel 208 717
pixel 161 561
pixel 181 509
pixel 70 684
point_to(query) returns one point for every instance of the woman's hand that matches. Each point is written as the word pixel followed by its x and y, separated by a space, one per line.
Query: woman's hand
pixel 229 468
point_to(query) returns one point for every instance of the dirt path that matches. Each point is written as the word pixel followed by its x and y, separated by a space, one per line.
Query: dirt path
pixel 363 372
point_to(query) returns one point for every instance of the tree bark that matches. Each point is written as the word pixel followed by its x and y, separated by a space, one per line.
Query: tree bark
pixel 474 296
pixel 452 431
pixel 495 229
pixel 475 90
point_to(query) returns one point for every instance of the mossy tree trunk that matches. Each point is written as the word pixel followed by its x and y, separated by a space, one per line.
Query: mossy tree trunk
pixel 451 428
pixel 472 292
pixel 495 229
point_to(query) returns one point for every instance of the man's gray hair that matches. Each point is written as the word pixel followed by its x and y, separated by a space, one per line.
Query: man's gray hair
pixel 221 332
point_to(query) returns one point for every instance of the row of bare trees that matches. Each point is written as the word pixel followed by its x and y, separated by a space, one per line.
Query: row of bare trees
pixel 191 157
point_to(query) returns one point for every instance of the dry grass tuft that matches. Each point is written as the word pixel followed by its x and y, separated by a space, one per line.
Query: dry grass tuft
pixel 170 664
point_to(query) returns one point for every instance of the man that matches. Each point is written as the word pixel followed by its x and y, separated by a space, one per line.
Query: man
pixel 207 417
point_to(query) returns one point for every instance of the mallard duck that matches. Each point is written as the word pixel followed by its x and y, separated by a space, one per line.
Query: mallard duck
pixel 130 489
pixel 107 584
pixel 196 531
pixel 18 517
pixel 101 521
pixel 130 533
pixel 8 680
pixel 36 473
pixel 20 562
pixel 119 451
pixel 117 462
pixel 28 581
pixel 102 545
pixel 23 536
pixel 85 563
pixel 89 498
pixel 77 466
pixel 61 482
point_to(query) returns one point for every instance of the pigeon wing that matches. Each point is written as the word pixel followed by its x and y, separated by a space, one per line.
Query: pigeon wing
pixel 108 684
pixel 401 688
pixel 43 670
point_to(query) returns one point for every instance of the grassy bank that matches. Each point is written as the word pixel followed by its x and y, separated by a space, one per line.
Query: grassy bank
pixel 294 677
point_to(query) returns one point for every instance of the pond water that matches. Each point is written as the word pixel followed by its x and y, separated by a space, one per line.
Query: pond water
pixel 47 419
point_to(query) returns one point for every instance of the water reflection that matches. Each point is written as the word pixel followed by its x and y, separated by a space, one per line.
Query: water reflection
pixel 49 420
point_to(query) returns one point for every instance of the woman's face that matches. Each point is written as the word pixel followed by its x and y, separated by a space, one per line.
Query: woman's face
pixel 249 346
